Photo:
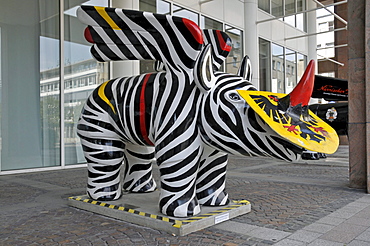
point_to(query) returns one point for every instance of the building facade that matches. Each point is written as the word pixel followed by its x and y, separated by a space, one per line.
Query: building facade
pixel 47 72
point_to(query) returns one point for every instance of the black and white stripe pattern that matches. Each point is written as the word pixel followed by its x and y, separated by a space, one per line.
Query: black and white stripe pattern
pixel 186 118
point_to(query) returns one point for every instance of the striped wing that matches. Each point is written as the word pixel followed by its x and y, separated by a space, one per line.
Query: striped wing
pixel 119 34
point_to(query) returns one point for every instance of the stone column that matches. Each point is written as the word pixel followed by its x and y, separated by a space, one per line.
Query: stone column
pixel 358 112
pixel 251 37
pixel 367 96
pixel 125 68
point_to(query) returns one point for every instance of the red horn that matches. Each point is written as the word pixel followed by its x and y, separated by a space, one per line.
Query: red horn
pixel 303 91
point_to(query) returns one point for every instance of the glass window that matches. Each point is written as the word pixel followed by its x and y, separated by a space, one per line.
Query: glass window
pixel 264 65
pixel 277 7
pixel 159 7
pixel 277 76
pixel 301 18
pixel 185 13
pixel 78 64
pixel 264 5
pixel 290 9
pixel 236 54
pixel 301 65
pixel 29 112
pixel 301 22
pixel 208 23
pixel 291 65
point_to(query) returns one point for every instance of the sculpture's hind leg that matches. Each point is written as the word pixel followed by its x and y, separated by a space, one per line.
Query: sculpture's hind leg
pixel 138 169
pixel 104 159
pixel 211 178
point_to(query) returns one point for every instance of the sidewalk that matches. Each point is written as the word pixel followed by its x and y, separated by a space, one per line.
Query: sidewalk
pixel 305 203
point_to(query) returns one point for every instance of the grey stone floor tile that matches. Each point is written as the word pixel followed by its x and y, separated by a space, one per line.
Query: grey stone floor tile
pixel 237 227
pixel 268 234
pixel 331 220
pixel 359 221
pixel 365 236
pixel 358 243
pixel 339 236
pixel 322 242
pixel 305 236
pixel 365 213
pixel 342 214
pixel 358 204
pixel 350 228
pixel 289 242
pixel 365 199
pixel 318 227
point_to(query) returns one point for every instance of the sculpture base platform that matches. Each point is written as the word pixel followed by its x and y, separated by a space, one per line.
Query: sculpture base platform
pixel 142 209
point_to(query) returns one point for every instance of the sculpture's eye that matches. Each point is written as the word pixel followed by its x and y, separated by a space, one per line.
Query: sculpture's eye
pixel 234 96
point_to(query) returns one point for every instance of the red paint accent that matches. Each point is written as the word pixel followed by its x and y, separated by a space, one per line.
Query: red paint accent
pixel 223 44
pixel 194 29
pixel 292 128
pixel 144 133
pixel 320 129
pixel 88 36
pixel 303 91
pixel 274 98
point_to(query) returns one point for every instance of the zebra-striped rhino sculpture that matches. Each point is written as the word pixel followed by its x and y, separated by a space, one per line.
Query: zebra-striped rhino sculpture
pixel 187 117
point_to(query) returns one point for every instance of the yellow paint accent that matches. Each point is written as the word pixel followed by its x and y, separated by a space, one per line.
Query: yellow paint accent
pixel 121 208
pixel 78 198
pixel 104 97
pixel 106 17
pixel 111 206
pixel 328 146
pixel 86 200
pixel 241 201
pixel 153 216
pixel 177 225
pixel 94 202
pixel 165 219
pixel 188 221
pixel 102 204
pixel 142 213
pixel 131 211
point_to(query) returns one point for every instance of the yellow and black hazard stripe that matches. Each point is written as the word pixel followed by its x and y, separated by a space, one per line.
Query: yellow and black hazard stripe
pixel 174 222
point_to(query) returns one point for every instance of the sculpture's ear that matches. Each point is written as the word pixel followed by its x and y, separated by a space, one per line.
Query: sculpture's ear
pixel 245 69
pixel 203 70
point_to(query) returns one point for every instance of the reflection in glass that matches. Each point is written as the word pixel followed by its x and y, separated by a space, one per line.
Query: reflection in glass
pixel 184 13
pixel 301 65
pixel 277 80
pixel 290 9
pixel 82 74
pixel 277 7
pixel 158 6
pixel 29 104
pixel 236 54
pixel 208 23
pixel 264 5
pixel 301 18
pixel 264 65
pixel 290 70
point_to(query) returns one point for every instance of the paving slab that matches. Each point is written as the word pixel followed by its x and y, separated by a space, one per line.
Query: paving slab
pixel 305 236
pixel 142 209
pixel 365 236
pixel 322 242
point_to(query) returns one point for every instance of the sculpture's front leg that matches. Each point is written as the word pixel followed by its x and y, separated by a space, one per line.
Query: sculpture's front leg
pixel 211 178
pixel 178 165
